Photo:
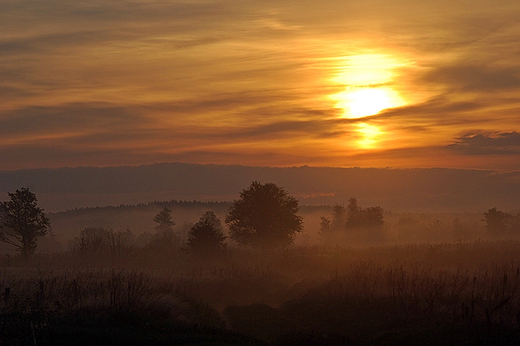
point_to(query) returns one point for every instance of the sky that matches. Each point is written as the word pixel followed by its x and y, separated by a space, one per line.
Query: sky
pixel 345 83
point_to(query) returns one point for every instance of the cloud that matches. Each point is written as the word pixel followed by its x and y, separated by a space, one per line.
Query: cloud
pixel 87 133
pixel 432 108
pixel 70 118
pixel 487 143
pixel 317 128
pixel 476 78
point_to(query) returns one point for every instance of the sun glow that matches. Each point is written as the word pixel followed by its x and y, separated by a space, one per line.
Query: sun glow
pixel 362 102
pixel 369 134
pixel 368 83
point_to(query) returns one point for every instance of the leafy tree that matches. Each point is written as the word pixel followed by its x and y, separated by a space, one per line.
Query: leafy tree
pixel 364 218
pixel 374 217
pixel 338 218
pixel 364 224
pixel 213 219
pixel 165 240
pixel 325 226
pixel 23 221
pixel 164 220
pixel 355 217
pixel 334 226
pixel 498 223
pixel 206 237
pixel 353 210
pixel 264 216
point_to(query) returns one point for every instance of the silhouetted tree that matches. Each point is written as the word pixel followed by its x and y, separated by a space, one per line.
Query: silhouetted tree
pixel 264 216
pixel 119 242
pixel 374 217
pixel 165 239
pixel 91 240
pixel 164 220
pixel 213 219
pixel 325 226
pixel 352 209
pixel 367 223
pixel 164 242
pixel 22 222
pixel 206 237
pixel 333 226
pixel 99 240
pixel 498 223
pixel 338 218
pixel 355 217
pixel 368 218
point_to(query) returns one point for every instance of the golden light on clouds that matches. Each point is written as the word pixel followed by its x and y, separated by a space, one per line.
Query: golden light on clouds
pixel 368 81
pixel 361 102
pixel 277 83
pixel 369 135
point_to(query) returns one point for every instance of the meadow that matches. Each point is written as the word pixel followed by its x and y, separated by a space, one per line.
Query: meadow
pixel 460 292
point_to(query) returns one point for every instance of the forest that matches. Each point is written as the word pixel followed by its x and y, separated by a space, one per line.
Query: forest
pixel 261 270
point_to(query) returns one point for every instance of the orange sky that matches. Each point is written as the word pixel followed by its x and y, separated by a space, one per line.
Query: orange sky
pixel 265 83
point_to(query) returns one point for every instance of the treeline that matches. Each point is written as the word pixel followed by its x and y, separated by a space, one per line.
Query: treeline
pixel 98 244
pixel 354 224
pixel 264 216
pixel 501 224
pixel 148 206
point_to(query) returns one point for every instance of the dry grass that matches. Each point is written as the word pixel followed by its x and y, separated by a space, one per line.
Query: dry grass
pixel 366 294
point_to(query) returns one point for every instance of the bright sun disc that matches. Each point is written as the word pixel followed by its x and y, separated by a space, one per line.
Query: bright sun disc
pixel 367 80
pixel 367 101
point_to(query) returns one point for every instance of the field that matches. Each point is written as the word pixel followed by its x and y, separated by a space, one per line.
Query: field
pixel 428 294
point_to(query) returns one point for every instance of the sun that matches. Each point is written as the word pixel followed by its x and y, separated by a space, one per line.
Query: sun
pixel 368 81
pixel 362 102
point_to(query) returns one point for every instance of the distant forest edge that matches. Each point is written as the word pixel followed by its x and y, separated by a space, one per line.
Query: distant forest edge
pixel 138 217
pixel 347 223
pixel 417 190
pixel 138 221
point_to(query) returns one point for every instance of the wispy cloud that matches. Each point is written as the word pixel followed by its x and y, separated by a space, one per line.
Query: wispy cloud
pixel 477 78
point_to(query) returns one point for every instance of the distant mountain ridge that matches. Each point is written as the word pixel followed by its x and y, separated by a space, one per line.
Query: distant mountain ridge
pixel 434 189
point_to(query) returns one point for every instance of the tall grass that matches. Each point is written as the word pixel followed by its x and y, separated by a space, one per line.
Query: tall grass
pixel 359 294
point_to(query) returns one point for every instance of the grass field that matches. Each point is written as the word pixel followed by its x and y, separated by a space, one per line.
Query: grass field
pixel 428 294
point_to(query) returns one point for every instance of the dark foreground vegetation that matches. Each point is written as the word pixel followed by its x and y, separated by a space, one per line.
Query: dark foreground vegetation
pixel 427 294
